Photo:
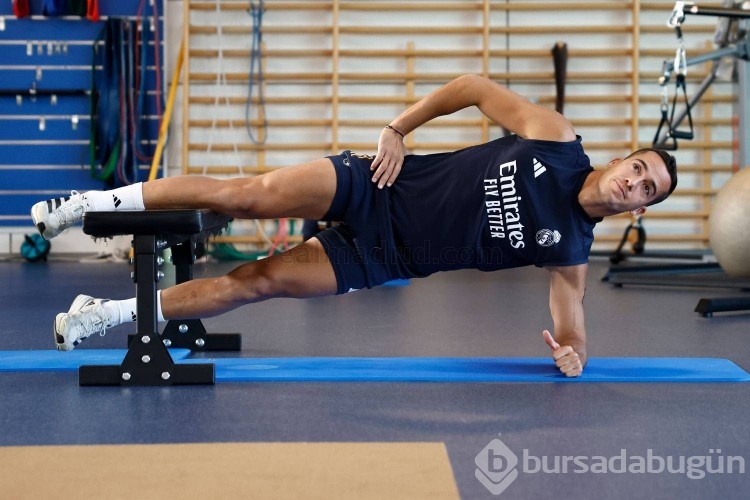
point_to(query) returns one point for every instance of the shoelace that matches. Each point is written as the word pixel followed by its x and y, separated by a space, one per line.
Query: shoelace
pixel 92 322
pixel 70 211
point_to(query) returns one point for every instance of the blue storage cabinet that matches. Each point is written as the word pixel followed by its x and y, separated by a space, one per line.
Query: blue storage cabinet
pixel 45 102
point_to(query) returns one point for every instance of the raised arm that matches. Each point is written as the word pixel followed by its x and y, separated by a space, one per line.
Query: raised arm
pixel 500 104
pixel 566 290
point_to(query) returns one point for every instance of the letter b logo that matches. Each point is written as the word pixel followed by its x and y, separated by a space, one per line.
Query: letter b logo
pixel 496 466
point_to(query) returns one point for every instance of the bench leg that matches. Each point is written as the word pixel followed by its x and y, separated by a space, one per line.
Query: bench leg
pixel 147 361
pixel 190 333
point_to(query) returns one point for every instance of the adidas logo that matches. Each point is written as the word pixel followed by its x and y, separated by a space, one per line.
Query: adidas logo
pixel 133 316
pixel 539 169
pixel 116 200
pixel 55 203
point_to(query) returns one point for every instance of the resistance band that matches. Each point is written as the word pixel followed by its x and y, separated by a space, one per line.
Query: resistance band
pixel 256 12
pixel 119 95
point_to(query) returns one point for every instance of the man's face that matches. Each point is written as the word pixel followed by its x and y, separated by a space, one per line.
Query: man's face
pixel 630 184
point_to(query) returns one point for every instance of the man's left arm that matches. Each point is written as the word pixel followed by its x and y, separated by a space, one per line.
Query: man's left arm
pixel 566 290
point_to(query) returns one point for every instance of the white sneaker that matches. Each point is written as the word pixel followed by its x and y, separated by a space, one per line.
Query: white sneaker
pixel 85 317
pixel 54 216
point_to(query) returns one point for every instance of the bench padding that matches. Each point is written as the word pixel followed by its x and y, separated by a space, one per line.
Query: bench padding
pixel 155 222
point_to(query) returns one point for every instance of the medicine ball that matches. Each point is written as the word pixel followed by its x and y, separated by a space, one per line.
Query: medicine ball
pixel 729 225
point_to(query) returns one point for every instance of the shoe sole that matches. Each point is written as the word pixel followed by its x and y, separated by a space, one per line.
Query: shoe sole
pixel 38 213
pixel 41 210
pixel 76 306
pixel 59 339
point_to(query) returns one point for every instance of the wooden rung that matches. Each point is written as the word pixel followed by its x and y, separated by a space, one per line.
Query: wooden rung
pixel 410 6
pixel 698 121
pixel 601 122
pixel 708 145
pixel 245 6
pixel 560 30
pixel 693 76
pixel 688 29
pixel 587 99
pixel 654 214
pixel 245 53
pixel 418 6
pixel 707 168
pixel 235 100
pixel 240 124
pixel 707 98
pixel 552 7
pixel 695 192
pixel 381 30
pixel 405 100
pixel 445 123
pixel 225 147
pixel 403 53
pixel 583 122
pixel 224 170
pixel 325 77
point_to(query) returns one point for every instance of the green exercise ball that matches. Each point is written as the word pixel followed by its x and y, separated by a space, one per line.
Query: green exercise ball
pixel 729 225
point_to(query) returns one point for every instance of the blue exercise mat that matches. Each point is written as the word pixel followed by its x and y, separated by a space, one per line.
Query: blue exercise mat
pixel 20 361
pixel 471 370
pixel 401 369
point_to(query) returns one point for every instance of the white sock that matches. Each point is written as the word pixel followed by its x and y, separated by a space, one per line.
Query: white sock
pixel 120 311
pixel 122 198
pixel 124 311
pixel 159 315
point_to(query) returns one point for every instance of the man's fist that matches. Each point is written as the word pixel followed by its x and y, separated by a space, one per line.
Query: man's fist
pixel 566 359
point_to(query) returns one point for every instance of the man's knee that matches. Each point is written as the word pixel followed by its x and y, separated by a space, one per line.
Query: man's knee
pixel 255 281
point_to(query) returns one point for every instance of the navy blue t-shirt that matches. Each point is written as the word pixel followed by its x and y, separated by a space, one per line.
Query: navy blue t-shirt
pixel 508 203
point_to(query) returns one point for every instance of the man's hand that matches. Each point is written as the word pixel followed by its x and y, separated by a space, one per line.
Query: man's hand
pixel 390 157
pixel 566 359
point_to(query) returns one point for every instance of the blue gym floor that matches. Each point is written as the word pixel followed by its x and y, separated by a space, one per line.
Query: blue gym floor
pixel 461 314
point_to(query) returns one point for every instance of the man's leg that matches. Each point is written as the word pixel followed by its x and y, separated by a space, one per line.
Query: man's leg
pixel 303 271
pixel 303 191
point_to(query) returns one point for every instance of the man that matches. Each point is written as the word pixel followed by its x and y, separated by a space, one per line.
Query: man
pixel 530 198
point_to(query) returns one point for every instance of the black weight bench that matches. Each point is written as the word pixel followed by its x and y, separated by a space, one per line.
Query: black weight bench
pixel 147 361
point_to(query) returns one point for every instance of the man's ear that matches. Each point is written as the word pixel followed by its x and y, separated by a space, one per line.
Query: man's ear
pixel 638 211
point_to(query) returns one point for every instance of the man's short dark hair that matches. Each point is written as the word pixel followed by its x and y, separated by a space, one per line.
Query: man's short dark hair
pixel 671 164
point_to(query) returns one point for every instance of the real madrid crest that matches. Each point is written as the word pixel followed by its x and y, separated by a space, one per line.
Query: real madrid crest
pixel 547 237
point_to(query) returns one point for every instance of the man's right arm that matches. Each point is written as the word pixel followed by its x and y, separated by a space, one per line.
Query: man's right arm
pixel 500 104
pixel 511 111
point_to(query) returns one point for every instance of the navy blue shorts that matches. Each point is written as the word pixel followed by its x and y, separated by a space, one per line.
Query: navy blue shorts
pixel 355 247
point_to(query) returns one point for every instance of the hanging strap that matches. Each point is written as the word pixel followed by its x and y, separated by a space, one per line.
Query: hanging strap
pixel 256 13
pixel 53 7
pixel 673 132
pixel 21 8
pixel 77 8
pixel 664 114
pixel 667 119
pixel 105 97
pixel 92 10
